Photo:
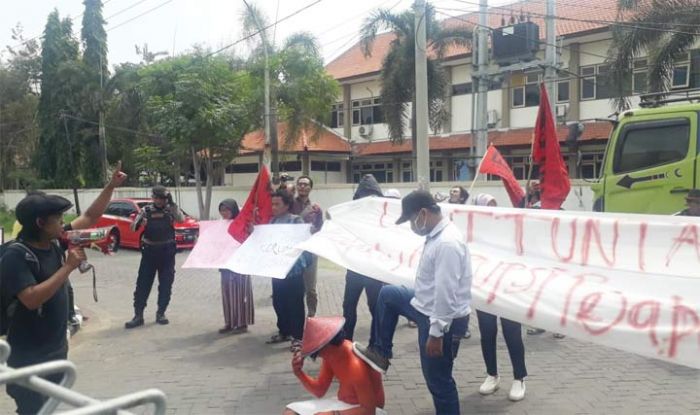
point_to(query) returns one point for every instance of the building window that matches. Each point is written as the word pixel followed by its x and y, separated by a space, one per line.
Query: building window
pixel 526 89
pixel 337 116
pixel 462 89
pixel 681 72
pixel 563 91
pixel 383 172
pixel 437 172
pixel 640 147
pixel 290 166
pixel 639 77
pixel 242 168
pixel 591 165
pixel 325 166
pixel 595 82
pixel 367 111
pixel 461 171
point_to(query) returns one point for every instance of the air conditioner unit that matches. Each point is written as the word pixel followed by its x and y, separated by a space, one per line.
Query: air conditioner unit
pixel 562 110
pixel 365 130
pixel 492 118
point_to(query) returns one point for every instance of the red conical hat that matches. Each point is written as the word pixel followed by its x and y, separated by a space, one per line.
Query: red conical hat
pixel 318 331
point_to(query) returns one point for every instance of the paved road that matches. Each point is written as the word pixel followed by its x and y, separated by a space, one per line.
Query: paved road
pixel 203 372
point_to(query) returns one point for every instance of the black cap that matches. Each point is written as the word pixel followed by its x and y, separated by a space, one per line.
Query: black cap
pixel 693 194
pixel 159 192
pixel 38 205
pixel 413 203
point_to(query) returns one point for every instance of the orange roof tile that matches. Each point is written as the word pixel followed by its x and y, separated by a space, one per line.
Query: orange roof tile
pixel 328 141
pixel 499 138
pixel 353 63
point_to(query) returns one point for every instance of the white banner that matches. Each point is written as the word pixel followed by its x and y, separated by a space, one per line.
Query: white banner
pixel 270 250
pixel 625 281
pixel 214 246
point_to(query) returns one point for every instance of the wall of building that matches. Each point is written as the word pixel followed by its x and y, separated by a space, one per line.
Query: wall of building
pixel 242 179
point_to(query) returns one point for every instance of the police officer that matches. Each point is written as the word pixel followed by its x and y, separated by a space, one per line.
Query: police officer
pixel 157 254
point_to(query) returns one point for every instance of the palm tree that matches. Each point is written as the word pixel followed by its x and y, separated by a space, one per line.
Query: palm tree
pixel 398 69
pixel 664 28
pixel 301 90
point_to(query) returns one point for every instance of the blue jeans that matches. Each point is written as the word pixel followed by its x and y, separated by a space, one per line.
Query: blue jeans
pixel 394 301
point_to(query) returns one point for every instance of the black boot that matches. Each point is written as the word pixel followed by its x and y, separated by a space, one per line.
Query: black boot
pixel 135 322
pixel 161 319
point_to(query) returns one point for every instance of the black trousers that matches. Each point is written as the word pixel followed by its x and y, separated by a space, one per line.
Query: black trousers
pixel 160 259
pixel 354 284
pixel 288 302
pixel 26 400
pixel 514 341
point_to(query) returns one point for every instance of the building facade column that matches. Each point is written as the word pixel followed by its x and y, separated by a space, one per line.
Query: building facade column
pixel 347 112
pixel 574 84
pixel 505 101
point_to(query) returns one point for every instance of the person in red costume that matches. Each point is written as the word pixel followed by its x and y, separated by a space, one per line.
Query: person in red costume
pixel 360 391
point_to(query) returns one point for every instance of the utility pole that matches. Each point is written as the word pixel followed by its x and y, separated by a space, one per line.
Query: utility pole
pixel 101 129
pixel 482 65
pixel 270 155
pixel 550 54
pixel 422 144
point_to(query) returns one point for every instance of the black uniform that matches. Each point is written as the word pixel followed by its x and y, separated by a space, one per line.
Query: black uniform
pixel 157 254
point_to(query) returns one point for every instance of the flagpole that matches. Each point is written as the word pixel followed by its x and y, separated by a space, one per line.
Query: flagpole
pixel 476 176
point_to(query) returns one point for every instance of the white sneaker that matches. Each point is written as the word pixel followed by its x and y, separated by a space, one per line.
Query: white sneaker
pixel 517 391
pixel 490 385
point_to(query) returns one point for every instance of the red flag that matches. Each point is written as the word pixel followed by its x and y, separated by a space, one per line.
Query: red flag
pixel 493 163
pixel 554 176
pixel 257 209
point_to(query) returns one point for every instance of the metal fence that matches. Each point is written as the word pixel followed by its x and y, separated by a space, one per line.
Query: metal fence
pixel 61 393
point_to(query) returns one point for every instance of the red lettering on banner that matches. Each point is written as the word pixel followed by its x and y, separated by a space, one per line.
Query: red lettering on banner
pixel 593 230
pixel 506 270
pixel 580 279
pixel 518 234
pixel 586 313
pixel 642 240
pixel 555 237
pixel 479 282
pixel 652 318
pixel 515 288
pixel 688 235
pixel 470 222
pixel 681 313
pixel 400 262
pixel 385 208
pixel 553 273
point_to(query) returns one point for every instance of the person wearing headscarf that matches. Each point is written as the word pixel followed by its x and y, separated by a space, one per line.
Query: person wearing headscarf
pixel 236 289
pixel 488 326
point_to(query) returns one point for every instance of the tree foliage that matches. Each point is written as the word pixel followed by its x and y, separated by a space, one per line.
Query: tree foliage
pixel 398 69
pixel 663 29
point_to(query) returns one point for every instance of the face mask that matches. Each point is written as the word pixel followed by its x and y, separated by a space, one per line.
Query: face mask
pixel 417 227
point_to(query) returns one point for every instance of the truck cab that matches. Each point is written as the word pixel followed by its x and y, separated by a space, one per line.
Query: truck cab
pixel 651 161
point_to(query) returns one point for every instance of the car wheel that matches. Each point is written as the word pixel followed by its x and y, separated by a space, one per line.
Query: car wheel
pixel 114 241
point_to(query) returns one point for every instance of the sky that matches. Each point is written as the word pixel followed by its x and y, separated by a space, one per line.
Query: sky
pixel 177 25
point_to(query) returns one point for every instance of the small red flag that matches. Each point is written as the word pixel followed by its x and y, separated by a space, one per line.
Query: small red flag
pixel 493 163
pixel 554 176
pixel 257 208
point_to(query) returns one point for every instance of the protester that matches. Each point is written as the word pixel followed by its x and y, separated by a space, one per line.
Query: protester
pixel 288 293
pixel 236 289
pixel 355 283
pixel 532 200
pixel 34 283
pixel 311 213
pixel 511 332
pixel 360 388
pixel 157 254
pixel 439 303
pixel 692 201
pixel 458 195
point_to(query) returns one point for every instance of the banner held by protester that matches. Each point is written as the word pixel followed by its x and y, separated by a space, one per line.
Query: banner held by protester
pixel 621 280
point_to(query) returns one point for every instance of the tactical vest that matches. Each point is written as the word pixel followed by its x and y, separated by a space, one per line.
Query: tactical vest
pixel 159 224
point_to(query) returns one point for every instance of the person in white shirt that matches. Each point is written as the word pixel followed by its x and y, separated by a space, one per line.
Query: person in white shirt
pixel 439 302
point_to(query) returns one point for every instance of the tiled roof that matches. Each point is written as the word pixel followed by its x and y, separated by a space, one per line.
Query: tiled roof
pixel 499 138
pixel 587 16
pixel 328 141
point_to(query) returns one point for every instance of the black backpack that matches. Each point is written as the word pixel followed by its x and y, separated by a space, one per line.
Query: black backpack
pixel 8 305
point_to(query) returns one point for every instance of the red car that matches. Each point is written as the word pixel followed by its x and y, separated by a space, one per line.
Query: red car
pixel 121 213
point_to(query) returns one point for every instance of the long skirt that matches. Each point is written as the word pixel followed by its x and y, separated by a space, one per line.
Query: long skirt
pixel 237 297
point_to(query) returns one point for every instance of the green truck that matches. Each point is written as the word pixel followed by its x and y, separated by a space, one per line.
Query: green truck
pixel 651 160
